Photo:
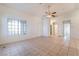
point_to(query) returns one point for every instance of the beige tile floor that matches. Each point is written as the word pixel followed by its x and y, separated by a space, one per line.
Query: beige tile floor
pixel 42 46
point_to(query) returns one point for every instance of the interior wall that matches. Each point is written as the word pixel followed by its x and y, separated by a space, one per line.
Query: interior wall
pixel 45 26
pixel 34 27
pixel 73 16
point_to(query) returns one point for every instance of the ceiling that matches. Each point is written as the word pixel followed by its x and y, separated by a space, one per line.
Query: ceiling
pixel 41 8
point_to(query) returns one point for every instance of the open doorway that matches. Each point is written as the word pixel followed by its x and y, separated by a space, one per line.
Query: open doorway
pixel 53 28
pixel 66 26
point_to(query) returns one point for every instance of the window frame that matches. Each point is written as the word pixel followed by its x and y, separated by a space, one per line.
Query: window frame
pixel 21 29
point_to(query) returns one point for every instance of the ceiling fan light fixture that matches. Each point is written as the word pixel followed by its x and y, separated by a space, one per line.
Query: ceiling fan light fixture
pixel 49 16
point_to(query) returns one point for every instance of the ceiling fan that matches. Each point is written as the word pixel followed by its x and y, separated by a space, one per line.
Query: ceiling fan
pixel 49 13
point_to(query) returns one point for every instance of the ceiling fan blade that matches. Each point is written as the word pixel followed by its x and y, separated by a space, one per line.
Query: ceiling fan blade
pixel 53 16
pixel 54 13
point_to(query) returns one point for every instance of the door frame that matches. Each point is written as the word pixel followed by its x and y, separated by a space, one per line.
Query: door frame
pixel 67 21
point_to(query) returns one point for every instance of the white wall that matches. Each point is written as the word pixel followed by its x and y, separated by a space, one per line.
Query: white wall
pixel 73 16
pixel 34 27
pixel 45 26
pixel 59 21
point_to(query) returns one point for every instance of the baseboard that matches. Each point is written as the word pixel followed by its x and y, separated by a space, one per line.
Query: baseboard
pixel 3 44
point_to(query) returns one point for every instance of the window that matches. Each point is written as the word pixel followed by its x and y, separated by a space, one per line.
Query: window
pixel 16 27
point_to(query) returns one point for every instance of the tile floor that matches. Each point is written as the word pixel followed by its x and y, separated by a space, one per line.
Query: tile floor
pixel 42 46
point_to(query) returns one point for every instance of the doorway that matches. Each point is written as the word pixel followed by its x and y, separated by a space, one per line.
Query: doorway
pixel 66 30
pixel 53 28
